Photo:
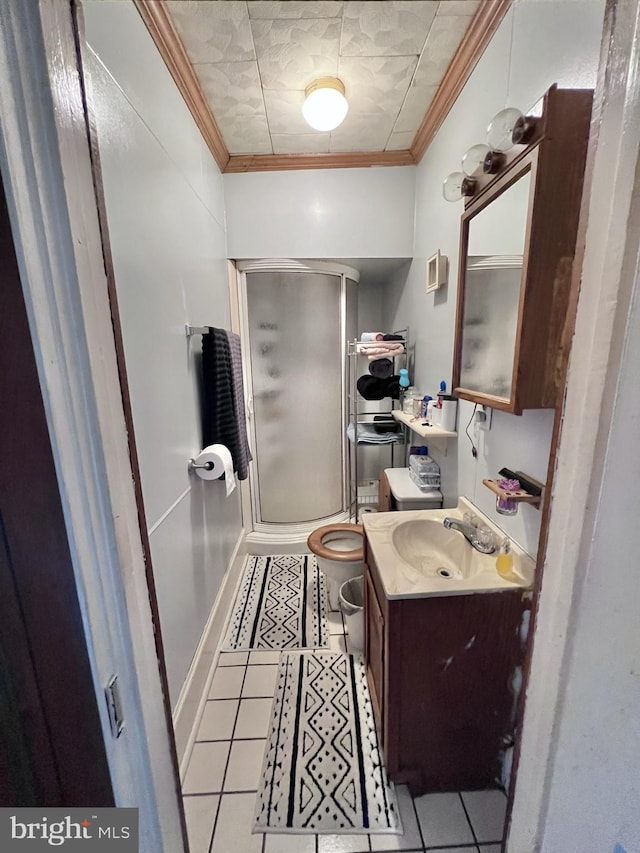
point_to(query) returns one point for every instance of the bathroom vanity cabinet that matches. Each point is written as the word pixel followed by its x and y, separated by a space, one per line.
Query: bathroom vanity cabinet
pixel 444 675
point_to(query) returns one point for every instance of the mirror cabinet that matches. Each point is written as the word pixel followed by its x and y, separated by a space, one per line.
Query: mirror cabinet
pixel 517 245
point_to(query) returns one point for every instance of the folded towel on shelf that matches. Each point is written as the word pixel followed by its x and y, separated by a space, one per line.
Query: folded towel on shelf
pixel 374 388
pixel 381 368
pixel 368 435
pixel 376 349
pixel 385 423
pixel 392 338
pixel 371 336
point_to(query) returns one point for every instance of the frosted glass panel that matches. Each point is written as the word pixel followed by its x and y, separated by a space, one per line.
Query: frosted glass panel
pixel 296 366
pixel 495 248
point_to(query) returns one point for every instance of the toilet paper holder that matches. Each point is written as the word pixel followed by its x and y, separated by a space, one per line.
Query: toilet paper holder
pixel 192 465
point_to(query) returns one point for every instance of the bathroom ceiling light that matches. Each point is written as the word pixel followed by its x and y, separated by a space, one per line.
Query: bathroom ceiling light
pixel 325 105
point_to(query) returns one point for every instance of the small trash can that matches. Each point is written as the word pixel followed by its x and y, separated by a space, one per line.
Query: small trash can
pixel 352 605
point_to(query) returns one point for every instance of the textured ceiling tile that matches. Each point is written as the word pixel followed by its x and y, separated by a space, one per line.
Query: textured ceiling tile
pixel 232 89
pixel 246 135
pixel 304 143
pixel 291 54
pixel 376 84
pixel 400 141
pixel 296 42
pixel 414 108
pixel 459 7
pixel 362 133
pixel 215 31
pixel 443 41
pixel 292 9
pixel 386 29
pixel 284 111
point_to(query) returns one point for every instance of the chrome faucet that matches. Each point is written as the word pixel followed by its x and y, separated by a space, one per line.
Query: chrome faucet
pixel 480 538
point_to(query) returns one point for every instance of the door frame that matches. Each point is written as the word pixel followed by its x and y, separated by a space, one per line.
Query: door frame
pixel 45 164
pixel 608 242
pixel 52 751
pixel 46 169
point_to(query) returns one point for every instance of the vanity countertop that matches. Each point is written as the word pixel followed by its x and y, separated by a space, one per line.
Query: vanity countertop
pixel 419 578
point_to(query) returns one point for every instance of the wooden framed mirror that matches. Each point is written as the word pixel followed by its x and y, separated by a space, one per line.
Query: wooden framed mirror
pixel 517 242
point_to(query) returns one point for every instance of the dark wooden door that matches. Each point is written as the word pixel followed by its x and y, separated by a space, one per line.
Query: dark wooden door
pixel 52 751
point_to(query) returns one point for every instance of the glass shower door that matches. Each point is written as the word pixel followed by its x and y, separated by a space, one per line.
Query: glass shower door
pixel 296 371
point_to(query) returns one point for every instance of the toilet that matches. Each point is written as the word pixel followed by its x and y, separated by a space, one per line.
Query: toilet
pixel 339 549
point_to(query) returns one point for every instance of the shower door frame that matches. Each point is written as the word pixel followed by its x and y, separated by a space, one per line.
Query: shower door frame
pixel 308 267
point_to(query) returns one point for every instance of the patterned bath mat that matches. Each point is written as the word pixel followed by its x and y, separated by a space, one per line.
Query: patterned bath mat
pixel 281 604
pixel 322 768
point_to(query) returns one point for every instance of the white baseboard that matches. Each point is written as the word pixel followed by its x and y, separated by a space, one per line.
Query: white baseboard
pixel 190 704
pixel 263 546
pixel 266 539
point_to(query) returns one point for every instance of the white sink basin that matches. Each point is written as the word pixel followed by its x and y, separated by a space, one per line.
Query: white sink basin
pixel 430 548
pixel 418 556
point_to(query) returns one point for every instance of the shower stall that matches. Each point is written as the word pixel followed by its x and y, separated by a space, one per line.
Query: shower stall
pixel 296 318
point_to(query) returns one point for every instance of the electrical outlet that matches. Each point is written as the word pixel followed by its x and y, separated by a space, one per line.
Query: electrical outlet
pixel 484 416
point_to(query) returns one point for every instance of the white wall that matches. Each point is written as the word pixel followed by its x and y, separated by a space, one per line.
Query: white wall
pixel 165 210
pixel 540 42
pixel 594 787
pixel 332 213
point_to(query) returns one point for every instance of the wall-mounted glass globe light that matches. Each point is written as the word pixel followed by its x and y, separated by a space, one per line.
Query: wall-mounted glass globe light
pixel 480 159
pixel 508 128
pixel 457 185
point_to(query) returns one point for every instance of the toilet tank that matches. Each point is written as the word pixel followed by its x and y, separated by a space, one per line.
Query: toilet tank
pixel 406 495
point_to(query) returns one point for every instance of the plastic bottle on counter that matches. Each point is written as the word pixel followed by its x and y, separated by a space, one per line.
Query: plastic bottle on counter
pixel 403 382
pixel 504 561
pixel 425 403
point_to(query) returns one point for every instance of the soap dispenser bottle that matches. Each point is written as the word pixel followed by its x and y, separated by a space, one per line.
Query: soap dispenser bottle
pixel 504 561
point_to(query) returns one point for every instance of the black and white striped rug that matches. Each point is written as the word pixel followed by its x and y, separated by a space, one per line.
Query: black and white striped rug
pixel 323 769
pixel 281 604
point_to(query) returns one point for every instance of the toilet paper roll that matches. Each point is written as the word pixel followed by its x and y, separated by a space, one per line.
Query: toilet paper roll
pixel 366 510
pixel 217 459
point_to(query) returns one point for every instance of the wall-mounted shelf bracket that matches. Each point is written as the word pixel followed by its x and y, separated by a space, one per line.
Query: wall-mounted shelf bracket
pixel 520 496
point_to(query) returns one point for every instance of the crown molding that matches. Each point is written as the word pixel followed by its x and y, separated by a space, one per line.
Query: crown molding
pixel 346 160
pixel 163 32
pixel 481 29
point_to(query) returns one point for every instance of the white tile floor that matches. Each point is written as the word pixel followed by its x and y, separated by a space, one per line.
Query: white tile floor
pixel 222 778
